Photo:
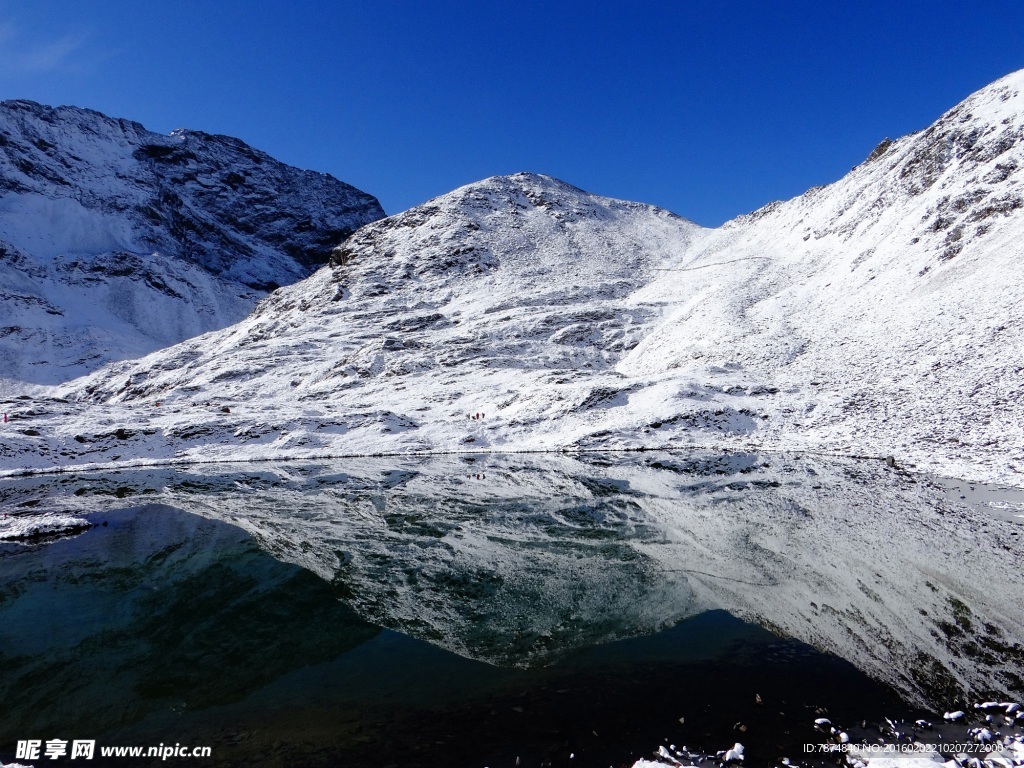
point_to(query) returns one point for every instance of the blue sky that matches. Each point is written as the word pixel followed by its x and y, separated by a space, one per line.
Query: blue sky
pixel 710 109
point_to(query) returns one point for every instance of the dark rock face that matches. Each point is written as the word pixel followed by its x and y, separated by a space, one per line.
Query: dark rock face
pixel 213 200
pixel 116 211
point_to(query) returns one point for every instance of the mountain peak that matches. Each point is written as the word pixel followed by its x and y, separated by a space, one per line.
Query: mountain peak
pixel 996 101
pixel 502 220
pixel 514 184
pixel 135 239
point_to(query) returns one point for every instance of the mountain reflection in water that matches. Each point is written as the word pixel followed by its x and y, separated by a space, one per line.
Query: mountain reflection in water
pixel 165 625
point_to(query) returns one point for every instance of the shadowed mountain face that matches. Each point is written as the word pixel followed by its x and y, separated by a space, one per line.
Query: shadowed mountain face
pixel 519 562
pixel 115 240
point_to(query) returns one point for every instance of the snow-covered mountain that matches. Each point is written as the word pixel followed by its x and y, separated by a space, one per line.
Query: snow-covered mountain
pixel 496 287
pixel 116 241
pixel 880 315
pixel 886 308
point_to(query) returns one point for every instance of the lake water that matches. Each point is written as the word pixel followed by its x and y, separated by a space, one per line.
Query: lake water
pixel 453 612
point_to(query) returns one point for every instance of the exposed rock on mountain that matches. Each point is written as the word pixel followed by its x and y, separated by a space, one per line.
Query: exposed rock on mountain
pixel 115 241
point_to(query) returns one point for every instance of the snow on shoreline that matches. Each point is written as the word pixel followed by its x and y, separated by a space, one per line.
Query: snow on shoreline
pixel 47 435
pixel 992 736
pixel 27 527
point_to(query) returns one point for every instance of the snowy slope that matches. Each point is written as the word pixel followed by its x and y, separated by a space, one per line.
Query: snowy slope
pixel 115 241
pixel 880 315
pixel 887 306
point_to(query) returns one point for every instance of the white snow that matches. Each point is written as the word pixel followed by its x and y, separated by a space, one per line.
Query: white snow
pixel 50 227
pixel 17 527
pixel 733 755
pixel 879 316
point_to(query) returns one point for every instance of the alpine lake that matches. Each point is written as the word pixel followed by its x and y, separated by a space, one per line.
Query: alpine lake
pixel 506 610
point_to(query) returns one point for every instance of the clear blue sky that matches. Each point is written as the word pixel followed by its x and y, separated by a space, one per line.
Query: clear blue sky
pixel 709 108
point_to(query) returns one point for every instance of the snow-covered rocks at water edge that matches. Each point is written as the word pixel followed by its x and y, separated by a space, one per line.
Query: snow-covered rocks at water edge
pixel 678 759
pixel 35 526
pixel 116 241
pixel 732 755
